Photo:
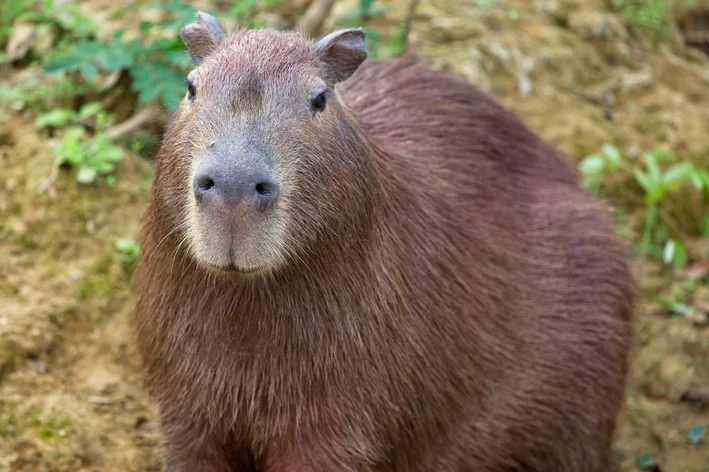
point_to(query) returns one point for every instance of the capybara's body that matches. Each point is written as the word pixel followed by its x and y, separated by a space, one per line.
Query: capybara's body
pixel 442 296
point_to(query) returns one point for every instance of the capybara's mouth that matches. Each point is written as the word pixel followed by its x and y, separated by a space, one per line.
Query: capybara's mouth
pixel 232 269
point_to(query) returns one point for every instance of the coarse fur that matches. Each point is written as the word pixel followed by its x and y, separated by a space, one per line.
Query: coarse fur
pixel 432 291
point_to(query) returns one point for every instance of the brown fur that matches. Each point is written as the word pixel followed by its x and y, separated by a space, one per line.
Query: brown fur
pixel 443 297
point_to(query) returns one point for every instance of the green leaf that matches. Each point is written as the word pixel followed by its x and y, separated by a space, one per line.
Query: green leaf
pixel 704 177
pixel 612 153
pixel 678 172
pixel 696 179
pixel 86 175
pixel 112 154
pixel 146 26
pixel 89 71
pixel 128 247
pixel 56 118
pixel 679 259
pixel 652 167
pixel 645 461
pixel 669 251
pixel 696 433
pixel 89 110
pixel 593 164
pixel 662 155
pixel 675 253
pixel 643 180
pixel 90 49
pixel 148 93
pixel 65 62
pixel 682 309
pixel 171 101
pixel 114 57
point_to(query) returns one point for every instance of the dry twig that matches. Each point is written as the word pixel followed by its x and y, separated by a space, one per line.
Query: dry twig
pixel 148 114
pixel 408 22
pixel 314 17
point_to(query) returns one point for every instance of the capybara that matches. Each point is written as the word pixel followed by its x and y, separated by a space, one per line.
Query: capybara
pixel 353 265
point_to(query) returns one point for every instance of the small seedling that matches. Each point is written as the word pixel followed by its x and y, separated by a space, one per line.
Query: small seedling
pixel 645 461
pixel 129 248
pixel 60 117
pixel 696 433
pixel 651 18
pixel 596 166
pixel 656 184
pixel 93 157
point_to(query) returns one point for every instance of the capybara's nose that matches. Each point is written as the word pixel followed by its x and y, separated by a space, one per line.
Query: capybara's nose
pixel 257 190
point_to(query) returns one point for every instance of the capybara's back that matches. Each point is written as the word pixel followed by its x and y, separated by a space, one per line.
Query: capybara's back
pixel 350 265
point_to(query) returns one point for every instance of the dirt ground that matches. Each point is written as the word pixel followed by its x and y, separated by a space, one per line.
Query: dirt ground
pixel 70 389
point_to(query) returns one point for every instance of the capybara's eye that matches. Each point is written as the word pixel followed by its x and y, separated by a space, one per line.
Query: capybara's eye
pixel 191 89
pixel 318 102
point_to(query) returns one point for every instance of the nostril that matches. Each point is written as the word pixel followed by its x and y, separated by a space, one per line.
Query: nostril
pixel 204 183
pixel 264 188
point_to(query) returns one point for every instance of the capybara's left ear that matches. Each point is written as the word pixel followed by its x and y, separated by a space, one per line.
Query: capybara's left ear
pixel 342 52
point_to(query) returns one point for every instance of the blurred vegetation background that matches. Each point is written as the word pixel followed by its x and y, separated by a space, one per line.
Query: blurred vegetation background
pixel 86 86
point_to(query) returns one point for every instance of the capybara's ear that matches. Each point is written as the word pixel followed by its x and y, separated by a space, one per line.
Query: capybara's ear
pixel 342 52
pixel 203 36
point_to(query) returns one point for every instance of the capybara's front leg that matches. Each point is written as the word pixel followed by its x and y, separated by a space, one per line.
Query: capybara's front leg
pixel 174 464
pixel 186 454
pixel 179 465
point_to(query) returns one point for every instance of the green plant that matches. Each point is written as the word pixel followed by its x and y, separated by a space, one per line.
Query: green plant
pixel 51 430
pixel 656 184
pixel 675 253
pixel 595 167
pixel 155 67
pixel 60 117
pixel 243 11
pixel 129 248
pixel 696 433
pixel 155 62
pixel 645 461
pixel 360 15
pixel 649 17
pixel 94 157
pixel 65 22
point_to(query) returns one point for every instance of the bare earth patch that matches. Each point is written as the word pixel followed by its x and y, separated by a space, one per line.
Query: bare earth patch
pixel 71 397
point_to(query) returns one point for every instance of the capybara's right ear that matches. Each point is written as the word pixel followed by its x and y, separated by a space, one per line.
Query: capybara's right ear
pixel 342 52
pixel 203 36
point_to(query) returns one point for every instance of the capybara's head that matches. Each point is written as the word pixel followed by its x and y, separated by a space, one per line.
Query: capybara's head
pixel 265 159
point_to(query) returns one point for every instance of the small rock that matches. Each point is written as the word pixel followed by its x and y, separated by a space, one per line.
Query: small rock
pixel 20 43
pixel 525 85
pixel 98 400
pixel 700 319
pixel 39 364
